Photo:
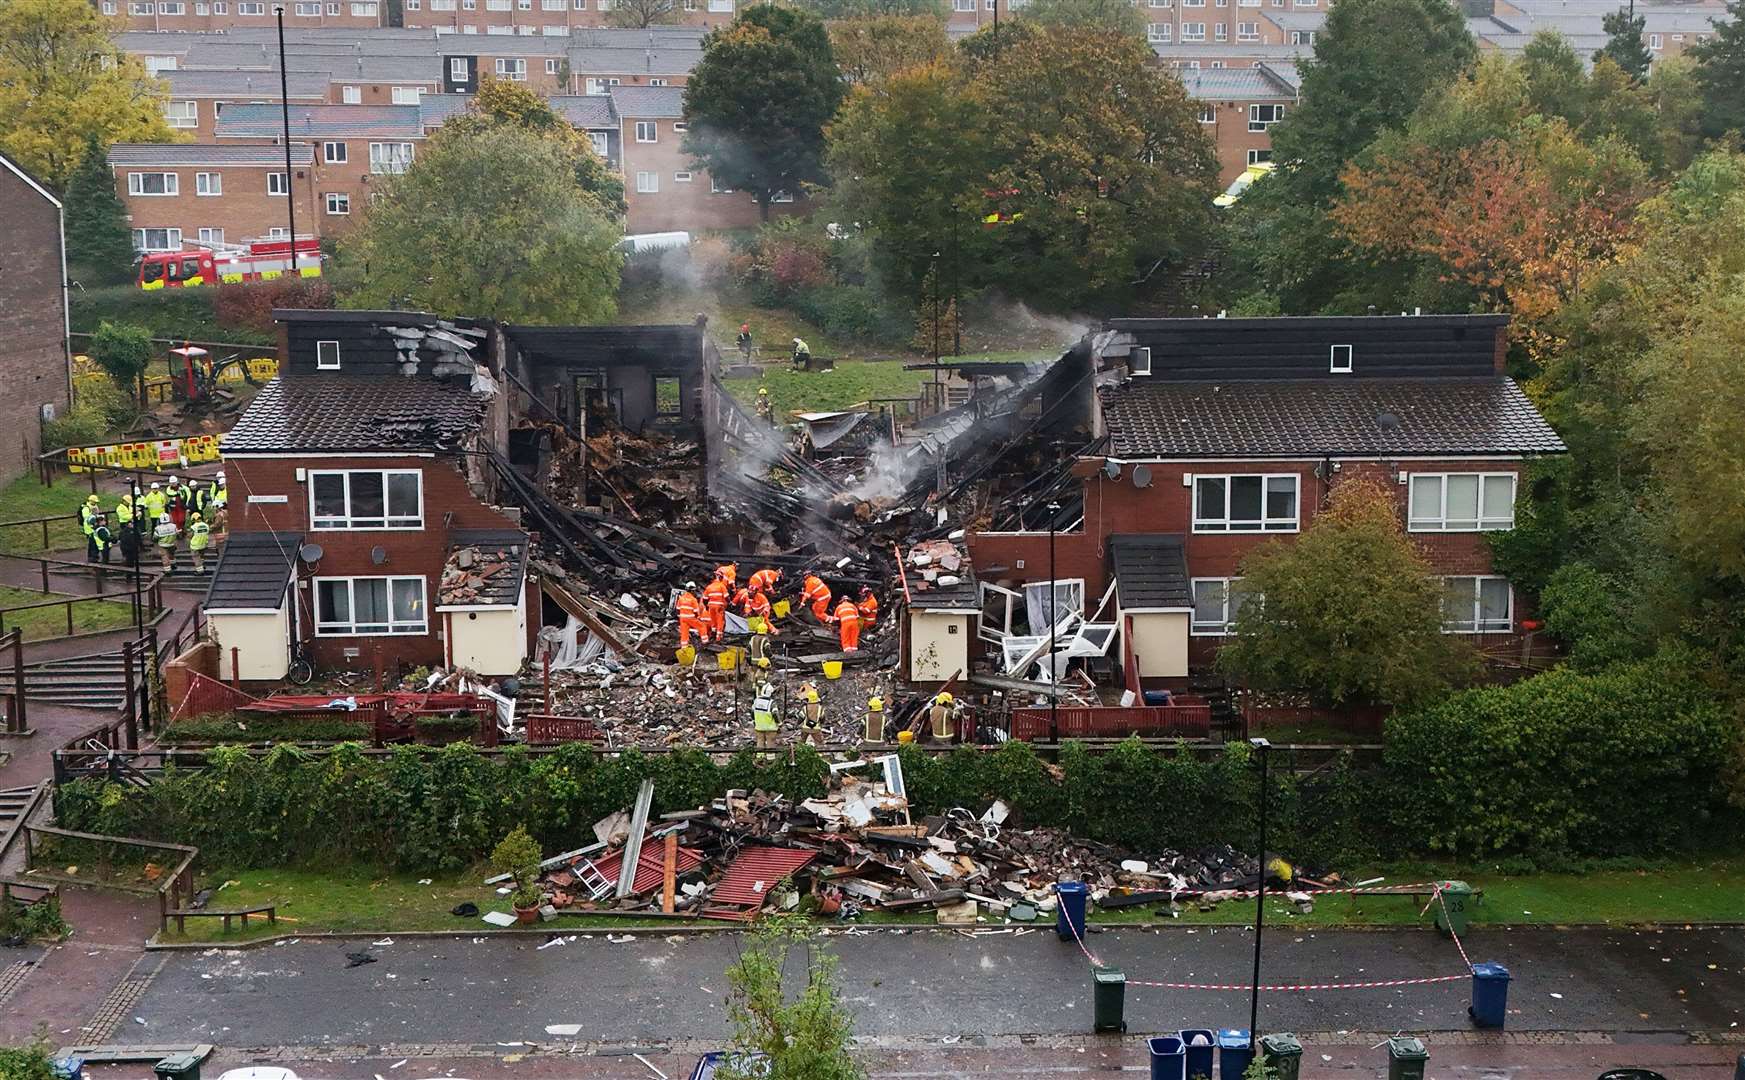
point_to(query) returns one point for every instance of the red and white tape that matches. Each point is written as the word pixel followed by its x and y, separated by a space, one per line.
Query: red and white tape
pixel 1372 890
pixel 1301 986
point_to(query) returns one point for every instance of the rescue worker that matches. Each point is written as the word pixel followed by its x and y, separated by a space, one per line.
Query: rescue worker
pixel 812 720
pixel 760 632
pixel 869 607
pixel 199 535
pixel 744 341
pixel 102 537
pixel 155 502
pixel 180 497
pixel 765 411
pixel 763 717
pixel 130 539
pixel 816 593
pixel 875 718
pixel 742 601
pixel 124 512
pixel 165 536
pixel 765 580
pixel 848 620
pixel 940 715
pixel 220 503
pixel 691 619
pixel 802 355
pixel 759 608
pixel 89 512
pixel 715 604
pixel 728 572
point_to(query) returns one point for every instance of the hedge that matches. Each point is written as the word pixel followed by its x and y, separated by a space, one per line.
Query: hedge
pixel 265 728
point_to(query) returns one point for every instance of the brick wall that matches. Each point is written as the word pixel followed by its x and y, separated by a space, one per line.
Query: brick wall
pixel 687 205
pixel 33 358
pixel 196 15
pixel 243 210
pixel 1231 139
pixel 575 14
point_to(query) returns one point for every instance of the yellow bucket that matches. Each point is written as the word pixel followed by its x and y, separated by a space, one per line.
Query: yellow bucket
pixel 686 655
pixel 904 738
pixel 781 608
pixel 728 659
pixel 833 669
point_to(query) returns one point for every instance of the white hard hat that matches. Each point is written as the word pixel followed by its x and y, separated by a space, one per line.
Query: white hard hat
pixel 175 480
pixel 221 478
pixel 154 485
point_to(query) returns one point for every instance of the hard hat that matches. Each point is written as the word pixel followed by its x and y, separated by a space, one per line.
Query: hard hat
pixel 763 391
pixel 174 480
pixel 221 478
pixel 866 590
pixel 944 698
pixel 195 516
pixel 91 498
pixel 154 485
pixel 875 702
pixel 690 584
pixel 797 341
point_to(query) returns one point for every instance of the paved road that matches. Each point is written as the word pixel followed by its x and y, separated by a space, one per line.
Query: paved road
pixel 928 985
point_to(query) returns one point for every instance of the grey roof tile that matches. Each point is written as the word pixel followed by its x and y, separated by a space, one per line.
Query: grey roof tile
pixel 649 102
pixel 1222 84
pixel 338 413
pixel 1151 570
pixel 1324 417
pixel 303 85
pixel 663 60
pixel 321 122
pixel 253 570
pixel 170 154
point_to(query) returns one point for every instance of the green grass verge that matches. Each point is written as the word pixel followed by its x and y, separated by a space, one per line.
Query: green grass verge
pixel 852 382
pixel 89 616
pixel 26 497
pixel 357 900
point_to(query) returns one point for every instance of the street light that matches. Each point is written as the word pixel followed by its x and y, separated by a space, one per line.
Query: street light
pixel 1261 746
pixel 1053 622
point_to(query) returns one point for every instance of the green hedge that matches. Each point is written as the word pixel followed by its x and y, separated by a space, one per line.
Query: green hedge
pixel 265 728
pixel 167 313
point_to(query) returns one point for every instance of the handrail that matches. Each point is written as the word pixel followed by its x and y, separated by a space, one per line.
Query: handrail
pixel 13 832
pixel 177 883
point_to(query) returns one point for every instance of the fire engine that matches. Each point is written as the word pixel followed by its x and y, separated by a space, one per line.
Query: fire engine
pixel 229 264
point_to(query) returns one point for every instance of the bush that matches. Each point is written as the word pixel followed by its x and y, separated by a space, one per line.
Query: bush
pixel 446 729
pixel 177 314
pixel 854 312
pixel 80 425
pixel 265 728
pixel 250 307
pixel 1580 605
pixel 30 1062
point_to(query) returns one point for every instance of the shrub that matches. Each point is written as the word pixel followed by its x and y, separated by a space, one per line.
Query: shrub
pixel 1580 605
pixel 177 314
pixel 518 856
pixel 445 729
pixel 854 312
pixel 121 349
pixel 250 307
pixel 265 728
pixel 794 266
pixel 80 425
pixel 31 1062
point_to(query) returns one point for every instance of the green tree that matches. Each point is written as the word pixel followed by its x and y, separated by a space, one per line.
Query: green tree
pixel 831 10
pixel 1625 45
pixel 99 245
pixel 1117 16
pixel 29 1062
pixel 501 103
pixel 641 14
pixel 1350 612
pixel 872 48
pixel 1720 72
pixel 807 1037
pixel 122 350
pixel 758 100
pixel 63 82
pixel 487 223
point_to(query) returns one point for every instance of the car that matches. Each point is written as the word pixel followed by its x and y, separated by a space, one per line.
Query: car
pixel 1243 183
pixel 748 1064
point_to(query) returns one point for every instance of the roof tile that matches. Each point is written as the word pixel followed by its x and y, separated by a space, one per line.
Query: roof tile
pixel 340 413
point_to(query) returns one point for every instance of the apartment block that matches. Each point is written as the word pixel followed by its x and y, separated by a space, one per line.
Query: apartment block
pixel 1238 108
pixel 180 193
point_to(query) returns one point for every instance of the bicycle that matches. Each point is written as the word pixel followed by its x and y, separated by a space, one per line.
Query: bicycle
pixel 302 669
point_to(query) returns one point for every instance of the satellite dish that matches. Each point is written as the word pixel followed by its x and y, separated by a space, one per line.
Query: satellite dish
pixel 311 553
pixel 1112 470
pixel 378 555
pixel 1141 476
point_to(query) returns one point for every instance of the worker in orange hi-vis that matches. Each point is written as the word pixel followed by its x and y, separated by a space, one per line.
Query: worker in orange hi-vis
pixel 690 611
pixel 817 594
pixel 848 620
pixel 715 601
pixel 742 600
pixel 764 581
pixel 728 572
pixel 760 609
pixel 869 607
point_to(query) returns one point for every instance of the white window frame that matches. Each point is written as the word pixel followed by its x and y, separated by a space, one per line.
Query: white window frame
pixel 138 9
pixel 1440 523
pixel 1476 624
pixel 280 180
pixel 1220 32
pixel 1227 615
pixel 601 142
pixel 208 183
pixel 326 359
pixel 109 7
pixel 348 628
pixel 172 7
pixel 1194 31
pixel 335 523
pixel 308 8
pixel 721 7
pixel 339 200
pixel 1655 42
pixel 679 126
pixel 457 66
pixel 1263 524
pixel 1339 359
pixel 385 161
pixel 1256 124
pixel 351 95
pixel 683 177
pixel 172 239
pixel 648 183
pixel 651 128
pixel 1161 3
pixel 1247 31
pixel 182 114
pixel 1159 33
pixel 364 9
pixel 209 235
pixel 251 7
pixel 1208 114
pixel 1255 157
pixel 551 64
pixel 399 94
pixel 171 182
pixel 335 152
pixel 512 68
pixel 333 9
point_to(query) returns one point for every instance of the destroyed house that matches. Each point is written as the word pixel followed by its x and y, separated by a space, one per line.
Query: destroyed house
pixel 1214 436
pixel 367 464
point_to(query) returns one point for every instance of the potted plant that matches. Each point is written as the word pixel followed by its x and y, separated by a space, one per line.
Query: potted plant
pixel 518 856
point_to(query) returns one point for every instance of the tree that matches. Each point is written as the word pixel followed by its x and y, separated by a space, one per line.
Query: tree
pixel 99 245
pixel 1625 45
pixel 758 100
pixel 124 351
pixel 642 14
pixel 806 1038
pixel 64 82
pixel 1720 72
pixel 872 48
pixel 30 1062
pixel 1117 16
pixel 501 103
pixel 832 10
pixel 492 223
pixel 1350 612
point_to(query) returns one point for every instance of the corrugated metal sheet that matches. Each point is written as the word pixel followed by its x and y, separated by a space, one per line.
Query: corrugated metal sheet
pixel 752 874
pixel 650 867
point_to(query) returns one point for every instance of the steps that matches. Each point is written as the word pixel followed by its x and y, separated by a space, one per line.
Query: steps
pixel 98 681
pixel 184 578
pixel 12 803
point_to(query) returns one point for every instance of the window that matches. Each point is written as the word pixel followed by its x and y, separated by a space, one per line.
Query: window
pixel 141 9
pixel 444 5
pixel 338 203
pixel 219 7
pixel 457 69
pixel 581 5
pixel 515 70
pixel 551 66
pixel 679 126
pixel 1208 114
pixel 407 95
pixel 1654 42
pixel 601 142
pixel 1217 601
pixel 250 7
pixel 647 183
pixel 661 82
pixel 725 7
pixel 277 233
pixel 334 153
pixel 414 5
pixel 681 178
pixel 781 196
pixel 333 9
pixel 497 5
pixel 963 5
pixel 1220 32
pixel 152 183
pixel 1339 359
pixel 524 5
pixel 327 356
pixel 1261 117
pixel 1253 503
pixel 554 5
pixel 182 114
pixel 390 157
pixel 1461 502
pixel 109 7
pixel 366 9
pixel 715 188
pixel 1216 65
pixel 1194 31
pixel 645 131
pixel 157 239
pixel 555 30
pixel 350 95
pixel 305 7
pixel 208 183
pixel 369 605
pixel 469 29
pixel 364 499
pixel 1193 3
pixel 1159 33
pixel 1477 605
pixel 276 184
pixel 1247 31
pixel 1161 3
pixel 171 7
pixel 212 236
pixel 604 5
pixel 1255 157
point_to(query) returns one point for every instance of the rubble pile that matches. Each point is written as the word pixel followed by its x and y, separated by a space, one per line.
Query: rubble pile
pixel 467 574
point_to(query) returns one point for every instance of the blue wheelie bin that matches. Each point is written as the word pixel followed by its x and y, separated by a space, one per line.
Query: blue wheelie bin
pixel 1201 1046
pixel 1069 913
pixel 68 1068
pixel 1490 995
pixel 1168 1060
pixel 1234 1053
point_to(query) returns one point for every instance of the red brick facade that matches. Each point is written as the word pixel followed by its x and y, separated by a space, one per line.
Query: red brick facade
pixel 33 318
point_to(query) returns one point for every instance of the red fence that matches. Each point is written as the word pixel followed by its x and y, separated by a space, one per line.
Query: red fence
pixel 560 729
pixel 207 695
pixel 1113 722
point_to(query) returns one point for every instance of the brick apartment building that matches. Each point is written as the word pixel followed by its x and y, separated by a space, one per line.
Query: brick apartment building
pixel 663 188
pixel 1238 108
pixel 179 193
pixel 35 370
pixel 1226 433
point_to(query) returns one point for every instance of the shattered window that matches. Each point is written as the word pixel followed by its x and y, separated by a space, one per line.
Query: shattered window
pixel 668 398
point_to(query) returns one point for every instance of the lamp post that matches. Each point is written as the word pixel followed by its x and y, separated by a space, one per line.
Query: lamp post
pixel 1261 746
pixel 285 119
pixel 1053 622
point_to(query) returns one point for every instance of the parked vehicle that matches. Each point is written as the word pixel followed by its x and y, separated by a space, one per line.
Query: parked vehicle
pixel 229 264
pixel 751 1065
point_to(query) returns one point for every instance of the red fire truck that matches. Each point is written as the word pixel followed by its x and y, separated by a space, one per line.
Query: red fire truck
pixel 230 264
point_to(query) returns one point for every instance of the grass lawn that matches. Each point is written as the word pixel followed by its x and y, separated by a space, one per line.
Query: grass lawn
pixel 852 382
pixel 353 899
pixel 88 615
pixel 26 498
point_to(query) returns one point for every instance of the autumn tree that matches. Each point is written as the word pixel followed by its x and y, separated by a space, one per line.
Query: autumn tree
pixel 501 103
pixel 99 245
pixel 832 10
pixel 1349 613
pixel 642 14
pixel 1117 16
pixel 757 102
pixel 1625 44
pixel 1720 72
pixel 872 48
pixel 63 82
